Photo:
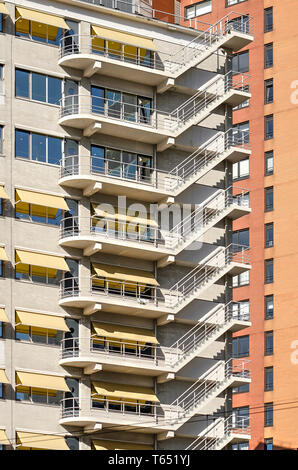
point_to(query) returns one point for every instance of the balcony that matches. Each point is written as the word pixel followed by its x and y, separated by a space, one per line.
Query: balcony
pixel 148 183
pixel 142 237
pixel 147 356
pixel 141 122
pixel 96 53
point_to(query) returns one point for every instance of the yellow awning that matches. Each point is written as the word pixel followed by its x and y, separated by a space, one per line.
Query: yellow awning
pixel 3 378
pixel 3 316
pixel 3 194
pixel 122 217
pixel 3 255
pixel 49 382
pixel 114 445
pixel 50 322
pixel 40 17
pixel 3 9
pixel 3 438
pixel 124 332
pixel 125 274
pixel 125 391
pixel 42 441
pixel 40 199
pixel 124 38
pixel 44 261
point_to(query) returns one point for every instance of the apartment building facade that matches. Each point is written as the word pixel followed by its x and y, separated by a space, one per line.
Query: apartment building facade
pixel 116 244
pixel 270 173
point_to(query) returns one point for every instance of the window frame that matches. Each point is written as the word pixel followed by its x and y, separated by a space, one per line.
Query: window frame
pixel 236 58
pixel 237 340
pixel 269 228
pixel 267 299
pixel 30 87
pixel 266 28
pixel 269 279
pixel 268 441
pixel 1 138
pixel 269 155
pixel 30 147
pixel 30 338
pixel 240 284
pixel 267 84
pixel 267 48
pixel 269 191
pixel 195 5
pixel 47 277
pixel 268 408
pixel 47 218
pixel 267 120
pixel 268 351
pixel 237 234
pixel 238 166
pixel 235 2
pixel 31 400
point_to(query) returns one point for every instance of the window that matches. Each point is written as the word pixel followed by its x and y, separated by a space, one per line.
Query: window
pixel 268 372
pixel 269 91
pixel 1 139
pixel 38 395
pixel 1 390
pixel 38 147
pixel 240 417
pixel 269 127
pixel 268 55
pixel 268 444
pixel 241 389
pixel 1 22
pixel 268 19
pixel 241 310
pixel 36 213
pixel 241 132
pixel 233 2
pixel 1 329
pixel 240 62
pixel 38 335
pixel 121 164
pixel 119 105
pixel 269 163
pixel 268 235
pixel 38 87
pixel 269 307
pixel 241 169
pixel 1 269
pixel 268 343
pixel 38 31
pixel 268 414
pixel 241 446
pixel 241 279
pixel 198 9
pixel 38 274
pixel 240 346
pixel 269 199
pixel 240 239
pixel 268 271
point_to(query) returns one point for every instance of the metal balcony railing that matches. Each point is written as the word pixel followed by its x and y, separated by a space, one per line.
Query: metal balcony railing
pixel 175 180
pixel 175 414
pixel 221 432
pixel 174 357
pixel 147 117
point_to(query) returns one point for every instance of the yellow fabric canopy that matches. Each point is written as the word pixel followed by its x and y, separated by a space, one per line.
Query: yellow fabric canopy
pixel 40 199
pixel 50 322
pixel 3 255
pixel 3 194
pixel 42 441
pixel 114 445
pixel 3 378
pixel 44 261
pixel 117 36
pixel 40 17
pixel 124 332
pixel 125 274
pixel 123 217
pixel 3 316
pixel 3 438
pixel 125 391
pixel 49 382
pixel 3 9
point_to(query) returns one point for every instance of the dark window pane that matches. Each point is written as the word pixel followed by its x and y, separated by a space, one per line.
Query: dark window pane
pixel 268 271
pixel 269 307
pixel 269 127
pixel 22 83
pixel 39 87
pixel 39 145
pixel 54 90
pixel 268 235
pixel 268 414
pixel 268 343
pixel 268 91
pixel 268 19
pixel 22 144
pixel 269 199
pixel 268 55
pixel 54 150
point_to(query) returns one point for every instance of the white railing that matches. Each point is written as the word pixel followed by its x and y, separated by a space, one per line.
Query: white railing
pixel 178 296
pixel 200 276
pixel 174 356
pixel 175 414
pixel 145 116
pixel 171 182
pixel 220 432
